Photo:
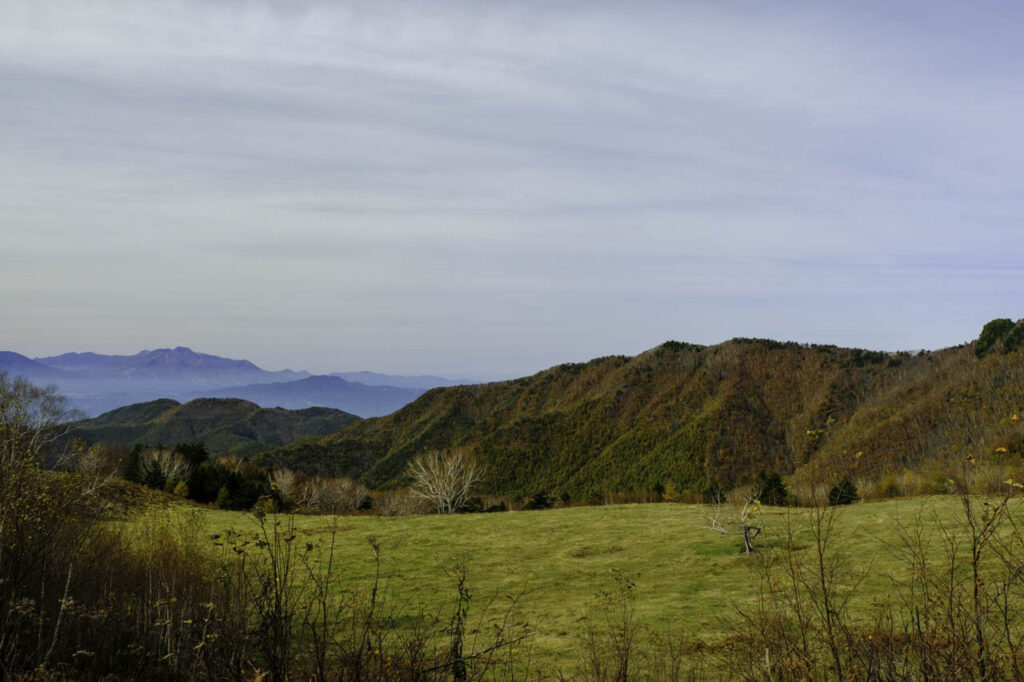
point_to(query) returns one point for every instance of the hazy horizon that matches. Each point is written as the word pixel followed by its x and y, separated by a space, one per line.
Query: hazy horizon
pixel 455 375
pixel 229 356
pixel 473 191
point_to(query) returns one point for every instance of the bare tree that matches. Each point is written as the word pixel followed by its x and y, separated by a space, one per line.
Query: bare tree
pixel 231 463
pixel 336 494
pixel 98 467
pixel 737 521
pixel 91 460
pixel 286 484
pixel 31 419
pixel 445 479
pixel 166 465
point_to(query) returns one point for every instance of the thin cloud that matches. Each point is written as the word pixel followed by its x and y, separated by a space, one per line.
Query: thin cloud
pixel 468 189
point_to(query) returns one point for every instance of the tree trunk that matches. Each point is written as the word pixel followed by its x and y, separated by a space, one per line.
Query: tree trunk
pixel 749 533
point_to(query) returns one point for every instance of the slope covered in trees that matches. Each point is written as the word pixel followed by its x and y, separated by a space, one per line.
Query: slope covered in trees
pixel 225 425
pixel 694 417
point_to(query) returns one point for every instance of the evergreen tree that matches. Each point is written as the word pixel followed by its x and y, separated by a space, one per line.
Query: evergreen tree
pixel 771 490
pixel 844 492
pixel 196 453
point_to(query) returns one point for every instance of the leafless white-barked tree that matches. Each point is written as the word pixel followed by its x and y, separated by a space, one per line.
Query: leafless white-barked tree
pixel 446 479
pixel 164 463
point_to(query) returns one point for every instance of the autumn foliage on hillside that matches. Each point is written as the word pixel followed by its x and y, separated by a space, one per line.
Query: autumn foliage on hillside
pixel 694 417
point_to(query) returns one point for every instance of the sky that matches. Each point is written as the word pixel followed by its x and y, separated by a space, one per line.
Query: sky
pixel 481 189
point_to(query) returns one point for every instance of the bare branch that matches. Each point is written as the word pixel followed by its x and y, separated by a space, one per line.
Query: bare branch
pixel 165 464
pixel 732 521
pixel 445 479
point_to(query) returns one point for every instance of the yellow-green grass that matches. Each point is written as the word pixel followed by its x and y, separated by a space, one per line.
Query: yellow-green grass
pixel 688 578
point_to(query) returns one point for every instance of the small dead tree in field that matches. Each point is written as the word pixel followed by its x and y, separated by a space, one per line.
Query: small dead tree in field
pixel 742 521
pixel 445 479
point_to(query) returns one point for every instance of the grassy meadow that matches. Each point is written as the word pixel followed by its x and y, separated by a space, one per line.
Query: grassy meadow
pixel 688 580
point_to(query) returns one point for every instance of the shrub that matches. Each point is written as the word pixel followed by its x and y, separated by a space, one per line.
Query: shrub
pixel 890 486
pixel 336 494
pixel 181 490
pixel 473 505
pixel 398 502
pixel 223 498
pixel 266 504
pixel 540 500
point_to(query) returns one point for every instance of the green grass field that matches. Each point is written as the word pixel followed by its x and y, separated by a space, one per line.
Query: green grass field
pixel 688 579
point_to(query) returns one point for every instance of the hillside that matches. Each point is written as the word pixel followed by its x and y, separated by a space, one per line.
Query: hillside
pixel 692 416
pixel 226 426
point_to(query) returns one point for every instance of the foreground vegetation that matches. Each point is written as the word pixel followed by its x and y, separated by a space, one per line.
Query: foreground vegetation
pixel 685 580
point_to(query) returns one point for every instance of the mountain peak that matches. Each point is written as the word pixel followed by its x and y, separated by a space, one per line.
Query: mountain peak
pixel 17 364
pixel 177 350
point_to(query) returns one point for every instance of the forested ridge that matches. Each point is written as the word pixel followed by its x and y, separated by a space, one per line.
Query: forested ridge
pixel 227 426
pixel 691 417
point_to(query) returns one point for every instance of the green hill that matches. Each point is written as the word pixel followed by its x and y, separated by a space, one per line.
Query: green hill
pixel 225 425
pixel 692 416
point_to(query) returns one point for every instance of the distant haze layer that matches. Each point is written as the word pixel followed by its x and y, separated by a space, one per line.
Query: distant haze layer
pixel 96 383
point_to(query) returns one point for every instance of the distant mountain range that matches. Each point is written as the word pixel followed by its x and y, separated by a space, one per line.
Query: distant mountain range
pixel 170 365
pixel 97 383
pixel 225 426
pixel 19 365
pixel 424 382
pixel 330 391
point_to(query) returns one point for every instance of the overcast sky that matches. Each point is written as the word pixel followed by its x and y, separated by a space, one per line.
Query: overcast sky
pixel 490 188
